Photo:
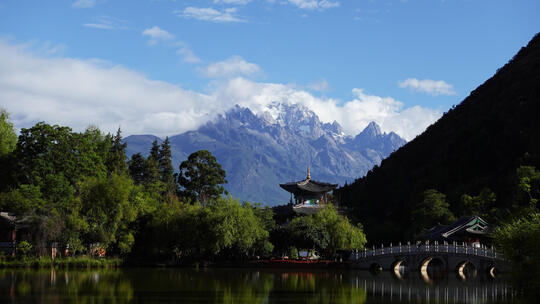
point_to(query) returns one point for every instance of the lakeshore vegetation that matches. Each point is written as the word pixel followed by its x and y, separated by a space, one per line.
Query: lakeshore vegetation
pixel 79 192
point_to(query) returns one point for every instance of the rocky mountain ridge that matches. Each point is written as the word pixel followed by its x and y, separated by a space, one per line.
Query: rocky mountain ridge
pixel 259 151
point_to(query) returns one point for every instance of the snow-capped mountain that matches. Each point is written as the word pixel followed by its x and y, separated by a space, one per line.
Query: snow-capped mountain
pixel 259 151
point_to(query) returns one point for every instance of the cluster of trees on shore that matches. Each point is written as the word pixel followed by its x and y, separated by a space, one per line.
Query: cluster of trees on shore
pixel 79 191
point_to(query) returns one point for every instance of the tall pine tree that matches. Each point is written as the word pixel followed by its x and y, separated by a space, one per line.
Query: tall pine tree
pixel 137 168
pixel 166 171
pixel 117 160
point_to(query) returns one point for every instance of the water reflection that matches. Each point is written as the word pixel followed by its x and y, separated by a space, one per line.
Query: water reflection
pixel 449 288
pixel 243 286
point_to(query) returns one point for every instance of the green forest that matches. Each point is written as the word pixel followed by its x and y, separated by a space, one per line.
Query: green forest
pixel 80 192
pixel 481 158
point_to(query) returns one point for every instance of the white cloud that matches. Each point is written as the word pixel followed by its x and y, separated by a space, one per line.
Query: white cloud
pixel 234 2
pixel 320 85
pixel 84 3
pixel 231 67
pixel 188 55
pixel 107 23
pixel 78 93
pixel 155 33
pixel 210 14
pixel 353 115
pixel 314 4
pixel 433 87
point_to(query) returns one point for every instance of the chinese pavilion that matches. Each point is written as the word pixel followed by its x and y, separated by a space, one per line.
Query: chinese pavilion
pixel 470 229
pixel 309 195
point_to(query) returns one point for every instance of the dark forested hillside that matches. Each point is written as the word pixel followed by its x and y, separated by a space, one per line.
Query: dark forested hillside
pixel 476 145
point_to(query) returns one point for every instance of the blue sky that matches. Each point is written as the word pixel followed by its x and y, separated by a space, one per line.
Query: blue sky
pixel 164 67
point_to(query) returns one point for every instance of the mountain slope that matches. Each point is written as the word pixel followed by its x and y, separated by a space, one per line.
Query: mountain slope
pixel 479 143
pixel 259 152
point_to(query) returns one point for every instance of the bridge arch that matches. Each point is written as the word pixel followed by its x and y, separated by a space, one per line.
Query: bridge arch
pixel 466 270
pixel 492 271
pixel 432 267
pixel 399 267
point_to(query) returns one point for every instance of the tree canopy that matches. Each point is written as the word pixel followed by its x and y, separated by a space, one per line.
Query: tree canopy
pixel 72 188
pixel 77 190
pixel 326 232
pixel 201 177
pixel 8 138
pixel 431 211
pixel 518 240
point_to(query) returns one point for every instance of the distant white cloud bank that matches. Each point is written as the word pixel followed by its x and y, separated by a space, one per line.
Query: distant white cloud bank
pixel 210 14
pixel 84 3
pixel 314 4
pixel 234 2
pixel 156 33
pixel 234 66
pixel 105 22
pixel 429 86
pixel 79 93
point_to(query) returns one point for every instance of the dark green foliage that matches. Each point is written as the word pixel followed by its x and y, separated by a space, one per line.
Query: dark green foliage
pixel 117 160
pixel 224 229
pixel 518 241
pixel 71 188
pixel 432 210
pixel 201 177
pixel 68 262
pixel 266 216
pixel 24 248
pixel 326 232
pixel 293 253
pixel 528 189
pixel 76 190
pixel 155 173
pixel 46 150
pixel 476 145
pixel 109 206
pixel 482 205
pixel 154 151
pixel 166 171
pixel 137 168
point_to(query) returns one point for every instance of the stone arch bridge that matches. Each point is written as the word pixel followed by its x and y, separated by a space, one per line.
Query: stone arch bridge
pixel 462 258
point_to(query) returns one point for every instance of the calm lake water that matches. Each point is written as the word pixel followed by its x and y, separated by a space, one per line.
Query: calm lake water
pixel 152 285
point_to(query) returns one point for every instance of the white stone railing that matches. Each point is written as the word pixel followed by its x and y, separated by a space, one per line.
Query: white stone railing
pixel 420 248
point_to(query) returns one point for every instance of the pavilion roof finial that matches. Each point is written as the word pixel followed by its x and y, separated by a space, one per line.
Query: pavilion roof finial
pixel 308 175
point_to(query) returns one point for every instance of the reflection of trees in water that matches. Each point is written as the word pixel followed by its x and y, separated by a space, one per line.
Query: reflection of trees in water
pixel 244 286
pixel 204 286
pixel 152 285
pixel 60 286
pixel 237 286
pixel 317 287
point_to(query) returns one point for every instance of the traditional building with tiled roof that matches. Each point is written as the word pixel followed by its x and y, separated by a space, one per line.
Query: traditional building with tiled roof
pixel 309 195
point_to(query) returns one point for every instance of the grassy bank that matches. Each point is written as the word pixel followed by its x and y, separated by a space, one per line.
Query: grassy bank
pixel 69 262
